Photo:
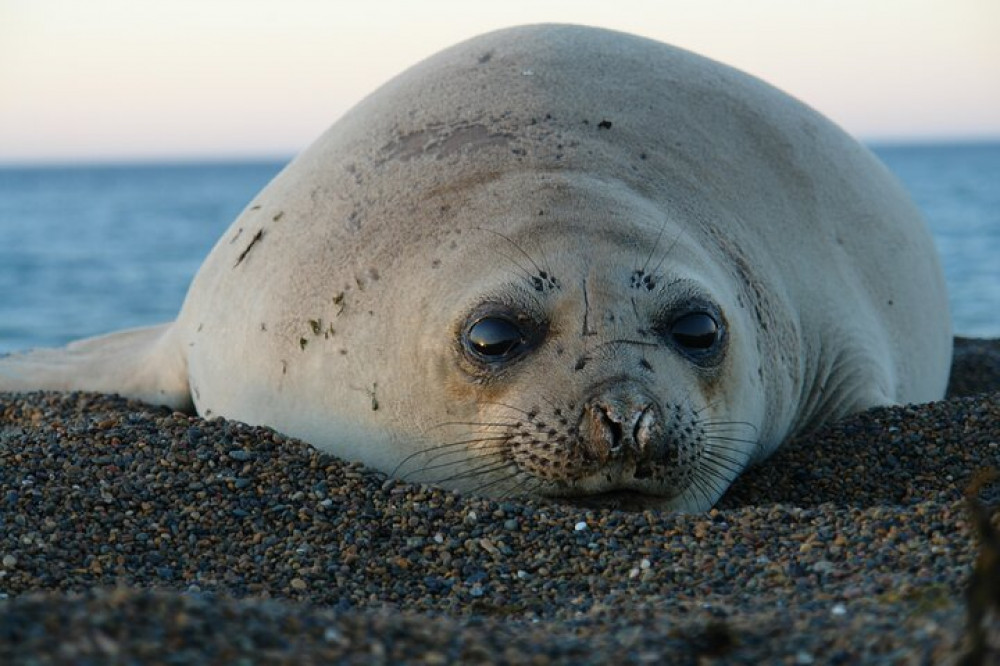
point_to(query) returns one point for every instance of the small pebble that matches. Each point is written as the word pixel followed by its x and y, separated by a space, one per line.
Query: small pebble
pixel 215 541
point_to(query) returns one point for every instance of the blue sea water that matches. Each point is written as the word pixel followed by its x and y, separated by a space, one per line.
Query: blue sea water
pixel 90 249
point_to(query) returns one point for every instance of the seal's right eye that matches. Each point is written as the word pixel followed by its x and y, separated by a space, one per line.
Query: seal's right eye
pixel 495 338
pixel 696 331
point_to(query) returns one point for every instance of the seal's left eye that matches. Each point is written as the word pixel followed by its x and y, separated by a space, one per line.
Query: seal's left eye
pixel 696 331
pixel 494 338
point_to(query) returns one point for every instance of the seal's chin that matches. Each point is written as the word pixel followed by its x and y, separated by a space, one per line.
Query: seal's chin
pixel 617 486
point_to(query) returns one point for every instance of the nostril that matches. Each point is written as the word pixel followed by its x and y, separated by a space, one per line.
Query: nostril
pixel 642 431
pixel 614 427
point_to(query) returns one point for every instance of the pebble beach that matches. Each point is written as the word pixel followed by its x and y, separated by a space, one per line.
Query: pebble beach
pixel 132 535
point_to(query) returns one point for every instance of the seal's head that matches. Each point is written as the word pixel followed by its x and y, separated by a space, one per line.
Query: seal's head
pixel 591 352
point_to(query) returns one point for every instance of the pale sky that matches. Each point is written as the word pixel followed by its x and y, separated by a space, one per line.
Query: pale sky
pixel 146 79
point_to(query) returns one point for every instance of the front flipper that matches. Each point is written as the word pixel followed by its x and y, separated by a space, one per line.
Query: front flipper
pixel 147 364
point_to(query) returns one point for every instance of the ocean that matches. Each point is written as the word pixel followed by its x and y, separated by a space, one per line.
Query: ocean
pixel 86 250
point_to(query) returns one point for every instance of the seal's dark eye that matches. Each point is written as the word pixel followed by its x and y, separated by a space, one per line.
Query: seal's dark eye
pixel 494 338
pixel 696 331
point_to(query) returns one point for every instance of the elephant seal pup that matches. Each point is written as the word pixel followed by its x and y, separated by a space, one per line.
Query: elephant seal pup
pixel 556 261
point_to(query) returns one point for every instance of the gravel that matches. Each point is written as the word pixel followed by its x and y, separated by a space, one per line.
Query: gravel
pixel 130 534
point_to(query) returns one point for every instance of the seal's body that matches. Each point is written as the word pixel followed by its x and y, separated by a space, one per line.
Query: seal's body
pixel 554 260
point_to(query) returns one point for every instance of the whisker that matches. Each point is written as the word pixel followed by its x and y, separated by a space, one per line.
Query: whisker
pixel 697 483
pixel 527 273
pixel 668 251
pixel 714 474
pixel 471 472
pixel 717 486
pixel 728 426
pixel 738 451
pixel 735 440
pixel 481 487
pixel 731 466
pixel 464 445
pixel 447 445
pixel 491 466
pixel 518 248
pixel 652 250
pixel 745 424
pixel 697 412
pixel 485 437
pixel 486 449
pixel 731 445
pixel 476 424
pixel 738 460
pixel 529 414
pixel 731 439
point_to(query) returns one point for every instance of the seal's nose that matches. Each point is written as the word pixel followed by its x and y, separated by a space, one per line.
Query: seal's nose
pixel 620 424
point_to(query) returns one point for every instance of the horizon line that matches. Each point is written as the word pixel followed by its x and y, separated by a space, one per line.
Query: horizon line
pixel 223 158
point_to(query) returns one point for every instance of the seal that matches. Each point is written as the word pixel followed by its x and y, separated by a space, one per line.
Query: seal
pixel 556 261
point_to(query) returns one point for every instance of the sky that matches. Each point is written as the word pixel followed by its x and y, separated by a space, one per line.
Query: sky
pixel 106 80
